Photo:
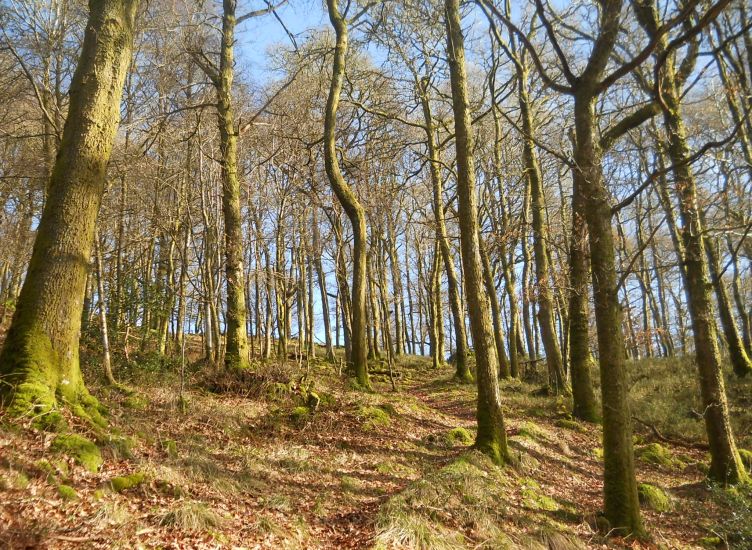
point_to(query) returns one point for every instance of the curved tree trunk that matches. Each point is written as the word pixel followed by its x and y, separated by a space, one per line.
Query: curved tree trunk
pixel 348 200
pixel 39 360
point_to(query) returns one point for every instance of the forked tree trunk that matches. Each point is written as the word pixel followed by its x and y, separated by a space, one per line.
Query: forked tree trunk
pixel 39 361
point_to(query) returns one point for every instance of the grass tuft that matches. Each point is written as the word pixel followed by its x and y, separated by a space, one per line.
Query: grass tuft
pixel 191 516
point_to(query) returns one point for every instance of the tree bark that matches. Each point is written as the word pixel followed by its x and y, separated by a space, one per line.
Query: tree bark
pixel 348 200
pixel 39 359
pixel 491 437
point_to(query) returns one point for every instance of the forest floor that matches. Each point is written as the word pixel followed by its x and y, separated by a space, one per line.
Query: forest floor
pixel 257 468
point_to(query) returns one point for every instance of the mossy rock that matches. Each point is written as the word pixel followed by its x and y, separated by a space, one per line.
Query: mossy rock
pixel 136 402
pixel 659 455
pixel 654 498
pixel 746 457
pixel 570 425
pixel 458 436
pixel 123 483
pixel 374 417
pixel 83 451
pixel 710 542
pixel 67 492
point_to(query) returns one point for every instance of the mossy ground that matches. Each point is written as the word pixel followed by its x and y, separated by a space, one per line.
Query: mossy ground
pixel 358 469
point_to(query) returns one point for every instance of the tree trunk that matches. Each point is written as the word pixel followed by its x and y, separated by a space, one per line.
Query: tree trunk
pixel 725 463
pixel 462 371
pixel 491 437
pixel 39 359
pixel 236 335
pixel 348 200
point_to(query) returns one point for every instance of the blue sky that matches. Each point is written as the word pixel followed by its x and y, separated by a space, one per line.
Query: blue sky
pixel 256 36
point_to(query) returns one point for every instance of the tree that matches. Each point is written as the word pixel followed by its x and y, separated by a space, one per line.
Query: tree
pixel 39 359
pixel 491 437
pixel 348 200
pixel 725 465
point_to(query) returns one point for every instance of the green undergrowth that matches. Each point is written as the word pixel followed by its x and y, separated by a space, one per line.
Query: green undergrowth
pixel 735 529
pixel 191 516
pixel 665 393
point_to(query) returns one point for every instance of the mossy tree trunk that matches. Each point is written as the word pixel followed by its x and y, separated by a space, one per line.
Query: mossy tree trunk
pixel 556 377
pixel 39 362
pixel 236 337
pixel 491 437
pixel 737 352
pixel 488 281
pixel 621 505
pixel 620 485
pixel 725 463
pixel 348 200
pixel 584 406
pixel 462 370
